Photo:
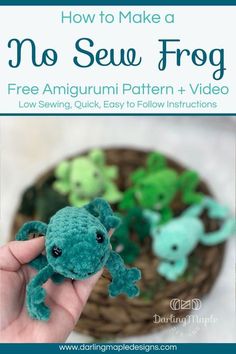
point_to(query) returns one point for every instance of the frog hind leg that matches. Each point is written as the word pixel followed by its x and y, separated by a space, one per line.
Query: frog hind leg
pixel 128 200
pixel 227 229
pixel 166 215
pixel 188 183
pixel 172 270
pixel 123 279
pixel 62 187
pixel 23 235
pixel 36 294
pixel 112 194
pixel 57 278
pixel 76 201
pixel 214 209
pixel 101 209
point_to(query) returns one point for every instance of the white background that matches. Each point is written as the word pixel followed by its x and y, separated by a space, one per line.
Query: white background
pixel 30 146
pixel 197 27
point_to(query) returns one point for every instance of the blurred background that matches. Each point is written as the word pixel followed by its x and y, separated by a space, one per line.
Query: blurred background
pixel 30 146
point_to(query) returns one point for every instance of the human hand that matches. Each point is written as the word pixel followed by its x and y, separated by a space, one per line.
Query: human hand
pixel 66 300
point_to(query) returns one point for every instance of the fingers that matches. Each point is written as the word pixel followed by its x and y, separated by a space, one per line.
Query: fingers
pixel 70 295
pixel 16 253
pixel 111 231
pixel 83 288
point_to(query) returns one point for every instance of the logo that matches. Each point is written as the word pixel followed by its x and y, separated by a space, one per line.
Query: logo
pixel 178 304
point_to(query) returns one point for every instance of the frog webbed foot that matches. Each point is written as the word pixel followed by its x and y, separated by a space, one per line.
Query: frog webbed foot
pixel 124 283
pixel 172 270
pixel 123 279
pixel 35 303
pixel 77 201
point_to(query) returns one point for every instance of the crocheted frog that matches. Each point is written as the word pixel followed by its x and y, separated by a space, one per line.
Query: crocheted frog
pixel 156 185
pixel 87 177
pixel 77 245
pixel 133 224
pixel 174 241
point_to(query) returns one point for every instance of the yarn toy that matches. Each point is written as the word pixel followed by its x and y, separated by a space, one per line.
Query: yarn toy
pixel 77 245
pixel 122 244
pixel 27 206
pixel 156 185
pixel 42 202
pixel 133 224
pixel 174 241
pixel 87 177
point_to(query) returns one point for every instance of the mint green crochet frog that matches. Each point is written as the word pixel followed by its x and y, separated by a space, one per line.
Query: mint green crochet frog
pixel 174 241
pixel 87 177
pixel 156 185
pixel 77 245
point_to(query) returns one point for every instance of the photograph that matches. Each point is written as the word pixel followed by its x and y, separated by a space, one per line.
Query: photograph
pixel 117 176
pixel 118 229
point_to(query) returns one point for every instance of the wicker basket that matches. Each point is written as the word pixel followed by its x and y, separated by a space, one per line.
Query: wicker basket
pixel 105 317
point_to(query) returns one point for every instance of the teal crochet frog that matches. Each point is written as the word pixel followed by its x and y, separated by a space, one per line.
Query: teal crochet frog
pixel 128 238
pixel 77 245
pixel 87 177
pixel 156 185
pixel 174 241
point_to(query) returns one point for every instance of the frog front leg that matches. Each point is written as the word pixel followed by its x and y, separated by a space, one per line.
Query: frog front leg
pixel 36 294
pixel 166 215
pixel 128 200
pixel 33 227
pixel 62 187
pixel 188 183
pixel 112 194
pixel 123 279
pixel 77 201
pixel 172 270
pixel 57 278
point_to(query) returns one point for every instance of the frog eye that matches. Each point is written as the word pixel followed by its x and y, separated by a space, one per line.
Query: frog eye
pixel 99 237
pixel 174 247
pixel 56 251
pixel 161 196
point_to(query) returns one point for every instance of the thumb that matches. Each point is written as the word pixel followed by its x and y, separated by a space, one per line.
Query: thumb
pixel 16 253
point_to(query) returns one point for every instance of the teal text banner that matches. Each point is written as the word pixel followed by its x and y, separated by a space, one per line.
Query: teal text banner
pixel 118 2
pixel 209 348
pixel 91 60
